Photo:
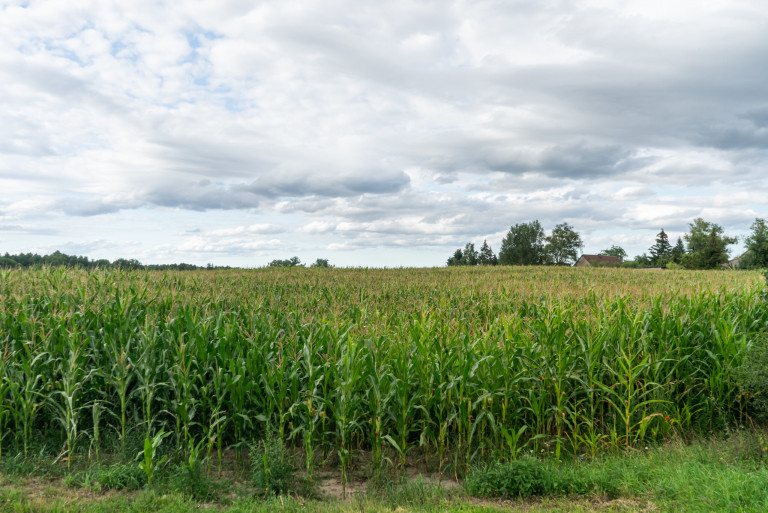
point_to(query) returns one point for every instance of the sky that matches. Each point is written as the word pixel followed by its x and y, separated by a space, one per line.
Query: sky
pixel 376 134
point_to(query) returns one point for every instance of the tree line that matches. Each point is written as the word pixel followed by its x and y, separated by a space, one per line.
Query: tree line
pixel 525 244
pixel 703 247
pixel 59 259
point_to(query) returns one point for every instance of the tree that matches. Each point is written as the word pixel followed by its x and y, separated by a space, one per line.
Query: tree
pixel 523 245
pixel 455 259
pixel 757 246
pixel 616 251
pixel 661 251
pixel 291 262
pixel 6 263
pixel 469 255
pixel 321 262
pixel 642 261
pixel 677 252
pixel 706 245
pixel 563 245
pixel 486 255
pixel 128 264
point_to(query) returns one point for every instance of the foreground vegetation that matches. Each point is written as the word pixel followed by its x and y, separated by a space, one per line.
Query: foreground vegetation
pixel 367 372
pixel 714 475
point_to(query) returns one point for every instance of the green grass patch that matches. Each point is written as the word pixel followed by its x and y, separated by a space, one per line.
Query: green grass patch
pixel 728 475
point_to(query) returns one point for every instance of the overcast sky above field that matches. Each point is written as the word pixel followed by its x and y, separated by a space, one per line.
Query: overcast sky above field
pixel 374 133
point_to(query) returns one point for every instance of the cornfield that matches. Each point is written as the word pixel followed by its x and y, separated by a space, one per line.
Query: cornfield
pixel 440 366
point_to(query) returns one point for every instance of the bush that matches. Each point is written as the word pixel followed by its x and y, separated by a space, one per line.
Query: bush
pixel 272 471
pixel 521 478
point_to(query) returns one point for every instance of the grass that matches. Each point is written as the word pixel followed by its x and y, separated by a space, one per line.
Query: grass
pixel 710 476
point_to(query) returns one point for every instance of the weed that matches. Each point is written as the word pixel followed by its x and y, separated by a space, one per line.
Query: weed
pixel 272 470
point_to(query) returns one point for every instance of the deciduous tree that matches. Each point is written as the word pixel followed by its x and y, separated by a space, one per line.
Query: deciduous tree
pixel 757 246
pixel 563 245
pixel 523 245
pixel 706 245
pixel 616 251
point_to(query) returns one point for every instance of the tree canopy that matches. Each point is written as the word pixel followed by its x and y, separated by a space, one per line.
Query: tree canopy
pixel 757 246
pixel 486 255
pixel 706 245
pixel 563 245
pixel 59 259
pixel 616 251
pixel 469 256
pixel 523 245
pixel 288 262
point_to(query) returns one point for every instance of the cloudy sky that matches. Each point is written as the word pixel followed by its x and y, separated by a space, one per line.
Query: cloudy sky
pixel 375 133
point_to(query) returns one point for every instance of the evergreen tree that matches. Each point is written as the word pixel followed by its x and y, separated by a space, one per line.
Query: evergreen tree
pixel 486 255
pixel 676 255
pixel 662 250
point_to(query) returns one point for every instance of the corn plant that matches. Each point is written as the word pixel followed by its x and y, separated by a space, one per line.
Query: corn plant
pixel 628 396
pixel 5 389
pixel 346 405
pixel 379 396
pixel 27 391
pixel 149 460
pixel 120 375
pixel 96 410
pixel 65 401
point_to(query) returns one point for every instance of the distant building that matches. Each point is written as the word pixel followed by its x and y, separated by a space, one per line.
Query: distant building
pixel 597 261
pixel 733 263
